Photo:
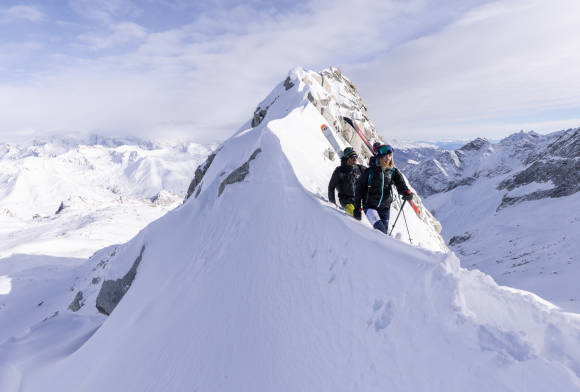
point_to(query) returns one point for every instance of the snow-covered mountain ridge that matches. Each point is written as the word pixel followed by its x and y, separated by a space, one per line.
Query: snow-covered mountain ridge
pixel 98 189
pixel 527 156
pixel 256 283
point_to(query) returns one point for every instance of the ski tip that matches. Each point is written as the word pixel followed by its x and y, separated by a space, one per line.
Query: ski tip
pixel 322 127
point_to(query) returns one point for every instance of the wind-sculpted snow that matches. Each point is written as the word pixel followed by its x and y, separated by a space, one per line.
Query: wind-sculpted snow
pixel 267 287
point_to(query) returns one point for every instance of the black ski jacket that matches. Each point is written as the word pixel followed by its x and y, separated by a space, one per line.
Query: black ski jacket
pixel 374 187
pixel 344 179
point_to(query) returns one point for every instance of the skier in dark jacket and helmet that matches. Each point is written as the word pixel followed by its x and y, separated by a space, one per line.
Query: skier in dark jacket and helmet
pixel 374 189
pixel 344 179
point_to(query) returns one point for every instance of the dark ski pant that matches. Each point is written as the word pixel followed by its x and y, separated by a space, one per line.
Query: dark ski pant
pixel 379 218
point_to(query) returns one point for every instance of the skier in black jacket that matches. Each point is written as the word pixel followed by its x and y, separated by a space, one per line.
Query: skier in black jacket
pixel 344 179
pixel 374 189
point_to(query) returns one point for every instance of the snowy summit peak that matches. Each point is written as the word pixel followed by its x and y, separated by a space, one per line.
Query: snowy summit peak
pixel 475 145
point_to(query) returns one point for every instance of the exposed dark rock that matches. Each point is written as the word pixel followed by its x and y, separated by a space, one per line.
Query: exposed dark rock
pixel 558 164
pixel 458 239
pixel 239 174
pixel 77 303
pixel 60 208
pixel 566 146
pixel 261 112
pixel 288 84
pixel 259 115
pixel 313 100
pixel 96 280
pixel 199 173
pixel 112 291
pixel 475 145
pixel 463 181
pixel 50 317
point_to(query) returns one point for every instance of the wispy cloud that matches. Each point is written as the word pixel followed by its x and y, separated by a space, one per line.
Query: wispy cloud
pixel 494 63
pixel 105 11
pixel 21 12
pixel 118 34
pixel 424 67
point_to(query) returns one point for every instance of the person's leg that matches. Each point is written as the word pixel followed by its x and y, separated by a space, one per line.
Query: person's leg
pixel 375 219
pixel 384 215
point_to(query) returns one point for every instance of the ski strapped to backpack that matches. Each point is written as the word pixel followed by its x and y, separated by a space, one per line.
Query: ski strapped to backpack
pixel 327 132
pixel 361 135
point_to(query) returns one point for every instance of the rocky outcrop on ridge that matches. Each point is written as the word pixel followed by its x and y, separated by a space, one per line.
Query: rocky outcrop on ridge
pixel 239 174
pixel 112 291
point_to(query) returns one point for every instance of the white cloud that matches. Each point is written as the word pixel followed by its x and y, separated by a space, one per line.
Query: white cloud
pixel 20 12
pixel 505 61
pixel 119 34
pixel 424 68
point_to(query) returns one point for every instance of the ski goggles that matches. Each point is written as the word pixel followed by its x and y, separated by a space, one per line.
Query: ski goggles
pixel 384 150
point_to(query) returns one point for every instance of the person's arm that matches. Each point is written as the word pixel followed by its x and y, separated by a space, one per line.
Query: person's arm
pixel 361 189
pixel 401 185
pixel 332 186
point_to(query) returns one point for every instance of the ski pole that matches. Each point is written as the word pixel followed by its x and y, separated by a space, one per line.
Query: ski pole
pixel 405 218
pixel 397 218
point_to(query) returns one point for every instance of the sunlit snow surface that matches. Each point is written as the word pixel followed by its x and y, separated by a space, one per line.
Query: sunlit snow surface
pixel 534 245
pixel 268 288
pixel 5 285
pixel 65 198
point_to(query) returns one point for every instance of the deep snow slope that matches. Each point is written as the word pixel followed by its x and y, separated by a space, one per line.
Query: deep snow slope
pixel 68 197
pixel 510 209
pixel 256 283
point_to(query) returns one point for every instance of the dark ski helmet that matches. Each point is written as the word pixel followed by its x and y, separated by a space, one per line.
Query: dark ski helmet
pixel 376 146
pixel 348 152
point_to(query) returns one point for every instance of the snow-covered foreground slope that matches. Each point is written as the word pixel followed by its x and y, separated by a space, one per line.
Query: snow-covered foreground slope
pixel 510 209
pixel 66 197
pixel 257 284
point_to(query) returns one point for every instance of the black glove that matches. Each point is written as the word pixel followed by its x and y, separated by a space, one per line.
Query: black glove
pixel 408 196
pixel 357 214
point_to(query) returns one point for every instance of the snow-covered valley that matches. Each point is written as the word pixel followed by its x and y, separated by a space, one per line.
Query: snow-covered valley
pixel 257 283
pixel 70 197
pixel 510 209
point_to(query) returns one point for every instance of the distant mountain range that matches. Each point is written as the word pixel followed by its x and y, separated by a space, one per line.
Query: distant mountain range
pixel 88 189
pixel 510 208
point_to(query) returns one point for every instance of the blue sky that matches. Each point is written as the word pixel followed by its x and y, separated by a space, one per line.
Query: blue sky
pixel 428 70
